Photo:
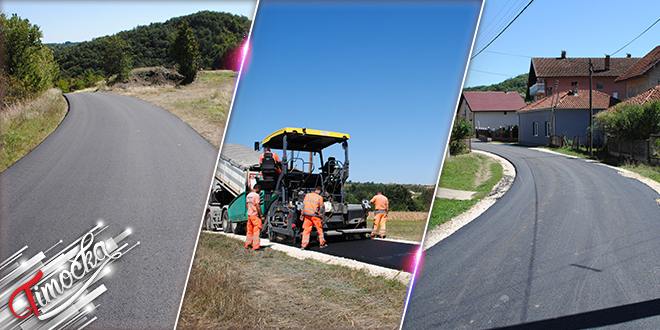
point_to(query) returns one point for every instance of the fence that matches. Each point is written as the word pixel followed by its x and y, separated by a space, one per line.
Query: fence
pixel 647 151
pixel 502 134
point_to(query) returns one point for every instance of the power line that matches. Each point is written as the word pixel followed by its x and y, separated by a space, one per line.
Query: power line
pixel 500 53
pixel 648 28
pixel 498 74
pixel 520 13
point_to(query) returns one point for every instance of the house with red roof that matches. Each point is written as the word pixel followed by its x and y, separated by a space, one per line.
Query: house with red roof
pixel 642 75
pixel 490 109
pixel 550 75
pixel 565 113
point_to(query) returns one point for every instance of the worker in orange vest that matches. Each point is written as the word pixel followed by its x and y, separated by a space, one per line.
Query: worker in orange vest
pixel 382 207
pixel 278 164
pixel 312 217
pixel 255 218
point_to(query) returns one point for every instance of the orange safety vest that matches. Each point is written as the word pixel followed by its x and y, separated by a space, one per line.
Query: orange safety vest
pixel 312 202
pixel 253 201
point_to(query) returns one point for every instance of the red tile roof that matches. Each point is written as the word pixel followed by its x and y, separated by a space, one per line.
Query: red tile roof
pixel 642 66
pixel 568 100
pixel 652 94
pixel 494 101
pixel 579 66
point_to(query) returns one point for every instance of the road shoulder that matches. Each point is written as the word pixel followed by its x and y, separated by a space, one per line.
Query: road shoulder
pixel 403 277
pixel 446 229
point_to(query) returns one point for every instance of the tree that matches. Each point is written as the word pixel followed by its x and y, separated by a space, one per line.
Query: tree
pixel 461 130
pixel 29 67
pixel 116 59
pixel 184 50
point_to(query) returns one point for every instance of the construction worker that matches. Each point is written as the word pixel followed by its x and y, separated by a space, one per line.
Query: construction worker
pixel 278 164
pixel 382 207
pixel 312 217
pixel 255 218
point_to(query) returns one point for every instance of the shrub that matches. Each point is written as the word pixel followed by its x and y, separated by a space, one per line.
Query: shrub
pixel 461 130
pixel 630 121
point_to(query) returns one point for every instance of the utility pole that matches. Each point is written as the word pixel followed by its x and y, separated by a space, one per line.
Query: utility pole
pixel 591 111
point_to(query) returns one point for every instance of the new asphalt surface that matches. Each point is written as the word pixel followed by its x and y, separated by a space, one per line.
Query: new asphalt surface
pixel 571 245
pixel 133 165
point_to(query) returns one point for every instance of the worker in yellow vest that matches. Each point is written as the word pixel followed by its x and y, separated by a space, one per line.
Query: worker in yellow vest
pixel 312 217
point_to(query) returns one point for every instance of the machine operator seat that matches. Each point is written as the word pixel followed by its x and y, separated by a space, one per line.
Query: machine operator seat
pixel 269 171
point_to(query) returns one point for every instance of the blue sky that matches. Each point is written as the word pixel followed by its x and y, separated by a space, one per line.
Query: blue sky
pixel 62 21
pixel 590 28
pixel 387 73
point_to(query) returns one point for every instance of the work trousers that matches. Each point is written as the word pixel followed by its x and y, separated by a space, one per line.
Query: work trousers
pixel 307 229
pixel 380 220
pixel 253 233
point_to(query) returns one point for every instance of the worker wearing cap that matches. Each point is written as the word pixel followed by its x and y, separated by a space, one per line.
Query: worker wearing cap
pixel 382 207
pixel 254 223
pixel 312 217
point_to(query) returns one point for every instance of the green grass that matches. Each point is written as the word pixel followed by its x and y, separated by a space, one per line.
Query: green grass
pixel 459 173
pixel 216 78
pixel 403 229
pixel 25 124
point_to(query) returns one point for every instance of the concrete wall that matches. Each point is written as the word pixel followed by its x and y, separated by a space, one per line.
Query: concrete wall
pixel 494 119
pixel 641 84
pixel 569 122
pixel 609 86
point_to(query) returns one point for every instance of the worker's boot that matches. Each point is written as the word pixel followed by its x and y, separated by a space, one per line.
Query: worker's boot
pixel 304 248
pixel 323 246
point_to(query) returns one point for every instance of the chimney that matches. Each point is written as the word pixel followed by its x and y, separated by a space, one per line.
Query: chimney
pixel 563 54
pixel 607 61
pixel 628 55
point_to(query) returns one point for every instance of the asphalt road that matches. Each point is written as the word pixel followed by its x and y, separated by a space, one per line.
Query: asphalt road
pixel 571 245
pixel 390 254
pixel 134 165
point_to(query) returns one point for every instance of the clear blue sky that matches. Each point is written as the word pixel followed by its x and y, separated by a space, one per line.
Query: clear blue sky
pixel 387 73
pixel 62 21
pixel 590 28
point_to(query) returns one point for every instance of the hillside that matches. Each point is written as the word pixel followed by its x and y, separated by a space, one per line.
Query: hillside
pixel 217 34
pixel 518 84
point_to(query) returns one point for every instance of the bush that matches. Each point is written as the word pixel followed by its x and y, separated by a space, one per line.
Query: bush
pixel 461 130
pixel 630 121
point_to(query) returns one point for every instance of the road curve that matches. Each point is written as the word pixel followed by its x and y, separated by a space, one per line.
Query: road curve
pixel 132 164
pixel 571 245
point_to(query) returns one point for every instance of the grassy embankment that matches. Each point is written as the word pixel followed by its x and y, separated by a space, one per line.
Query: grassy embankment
pixel 472 172
pixel 24 124
pixel 268 290
pixel 203 104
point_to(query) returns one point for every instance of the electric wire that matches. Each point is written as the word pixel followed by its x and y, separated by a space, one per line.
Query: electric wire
pixel 648 28
pixel 520 13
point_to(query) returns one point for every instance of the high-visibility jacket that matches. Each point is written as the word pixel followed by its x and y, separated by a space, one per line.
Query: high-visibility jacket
pixel 275 157
pixel 312 204
pixel 382 204
pixel 252 201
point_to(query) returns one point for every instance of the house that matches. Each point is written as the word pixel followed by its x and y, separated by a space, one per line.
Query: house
pixel 490 109
pixel 549 75
pixel 642 75
pixel 571 116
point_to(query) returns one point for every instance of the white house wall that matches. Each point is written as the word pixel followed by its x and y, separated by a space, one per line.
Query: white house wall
pixel 494 119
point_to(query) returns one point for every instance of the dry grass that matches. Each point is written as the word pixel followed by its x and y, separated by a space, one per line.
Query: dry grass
pixel 24 124
pixel 269 290
pixel 402 216
pixel 203 104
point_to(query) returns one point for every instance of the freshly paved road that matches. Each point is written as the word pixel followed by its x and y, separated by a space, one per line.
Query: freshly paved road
pixel 134 165
pixel 571 245
pixel 390 254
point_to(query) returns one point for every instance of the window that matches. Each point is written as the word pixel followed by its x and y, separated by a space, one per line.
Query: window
pixel 615 95
pixel 574 84
pixel 547 128
pixel 535 129
pixel 505 113
pixel 600 86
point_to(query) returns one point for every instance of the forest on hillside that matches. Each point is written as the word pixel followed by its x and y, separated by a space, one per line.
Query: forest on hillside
pixel 517 84
pixel 217 34
pixel 399 195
